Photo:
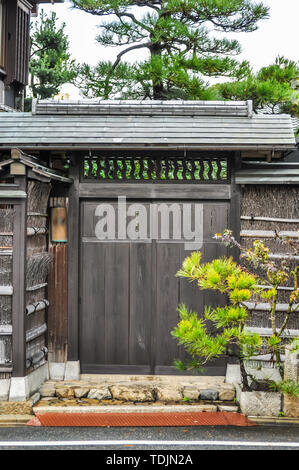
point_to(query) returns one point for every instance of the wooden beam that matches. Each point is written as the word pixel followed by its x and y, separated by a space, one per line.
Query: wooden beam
pixel 264 307
pixel 269 219
pixel 235 204
pixel 73 261
pixel 268 331
pixel 19 283
pixel 155 191
pixel 268 234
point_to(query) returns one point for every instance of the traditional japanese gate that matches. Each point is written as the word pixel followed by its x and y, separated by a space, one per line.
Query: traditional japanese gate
pixel 128 289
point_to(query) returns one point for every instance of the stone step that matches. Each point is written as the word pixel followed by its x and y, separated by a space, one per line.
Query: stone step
pixel 139 391
pixel 117 378
pixel 131 409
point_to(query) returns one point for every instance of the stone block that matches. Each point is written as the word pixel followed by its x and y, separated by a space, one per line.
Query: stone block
pixel 290 406
pixel 47 390
pixel 37 378
pixel 81 392
pixel 291 365
pixel 100 393
pixel 4 389
pixel 169 393
pixel 226 392
pixel 228 408
pixel 35 398
pixel 209 394
pixel 207 408
pixel 56 370
pixel 233 374
pixel 19 389
pixel 65 392
pixel 260 403
pixel 138 393
pixel 191 392
pixel 72 370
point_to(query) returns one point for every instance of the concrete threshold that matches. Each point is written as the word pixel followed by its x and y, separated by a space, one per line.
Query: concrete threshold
pixel 14 420
pixel 267 420
pixel 156 379
pixel 126 409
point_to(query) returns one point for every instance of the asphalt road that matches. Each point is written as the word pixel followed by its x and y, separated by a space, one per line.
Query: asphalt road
pixel 169 439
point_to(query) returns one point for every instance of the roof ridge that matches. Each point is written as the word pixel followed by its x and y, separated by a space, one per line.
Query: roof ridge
pixel 148 107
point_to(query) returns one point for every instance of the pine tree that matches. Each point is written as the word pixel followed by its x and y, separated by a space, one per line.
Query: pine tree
pixel 239 285
pixel 178 36
pixel 50 64
pixel 271 89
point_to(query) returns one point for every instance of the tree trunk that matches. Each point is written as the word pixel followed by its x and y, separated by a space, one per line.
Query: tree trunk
pixel 157 81
pixel 245 384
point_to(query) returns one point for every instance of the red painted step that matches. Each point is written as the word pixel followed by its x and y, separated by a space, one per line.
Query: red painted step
pixel 140 419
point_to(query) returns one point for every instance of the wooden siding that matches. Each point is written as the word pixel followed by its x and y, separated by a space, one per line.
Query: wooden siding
pixel 57 312
pixel 129 295
pixel 268 173
pixel 18 46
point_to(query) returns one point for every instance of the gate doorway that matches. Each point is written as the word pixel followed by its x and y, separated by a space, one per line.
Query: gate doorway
pixel 129 292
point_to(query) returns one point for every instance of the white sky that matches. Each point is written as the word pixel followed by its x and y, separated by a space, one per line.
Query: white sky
pixel 279 35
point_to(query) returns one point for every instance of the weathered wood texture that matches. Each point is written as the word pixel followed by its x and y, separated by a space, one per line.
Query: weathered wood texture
pixel 6 224
pixel 18 29
pixel 129 295
pixel 73 263
pixel 58 295
pixel 19 283
pixel 274 173
pixel 57 311
pixel 38 262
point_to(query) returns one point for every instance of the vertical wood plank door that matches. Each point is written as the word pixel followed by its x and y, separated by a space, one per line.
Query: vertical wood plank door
pixel 129 292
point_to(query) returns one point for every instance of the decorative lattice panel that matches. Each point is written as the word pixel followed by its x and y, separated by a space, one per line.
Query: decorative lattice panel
pixel 151 169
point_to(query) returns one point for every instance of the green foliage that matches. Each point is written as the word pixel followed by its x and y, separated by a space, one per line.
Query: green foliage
pixel 270 88
pixel 289 387
pixel 50 63
pixel 239 286
pixel 177 36
pixel 192 333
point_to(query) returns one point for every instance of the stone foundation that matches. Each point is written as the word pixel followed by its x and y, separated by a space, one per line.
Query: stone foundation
pixel 20 389
pixel 139 390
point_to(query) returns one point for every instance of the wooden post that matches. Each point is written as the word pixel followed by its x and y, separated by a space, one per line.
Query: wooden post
pixel 73 260
pixel 57 294
pixel 19 283
pixel 235 205
pixel 235 219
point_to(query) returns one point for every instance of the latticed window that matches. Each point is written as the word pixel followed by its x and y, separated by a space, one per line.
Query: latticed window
pixel 156 169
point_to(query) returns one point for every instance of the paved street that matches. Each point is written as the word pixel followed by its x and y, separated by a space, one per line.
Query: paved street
pixel 275 437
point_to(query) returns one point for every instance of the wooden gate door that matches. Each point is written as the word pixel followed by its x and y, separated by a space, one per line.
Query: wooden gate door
pixel 129 292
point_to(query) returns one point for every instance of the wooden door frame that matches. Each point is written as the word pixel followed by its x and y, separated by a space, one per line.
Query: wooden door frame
pixel 80 190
